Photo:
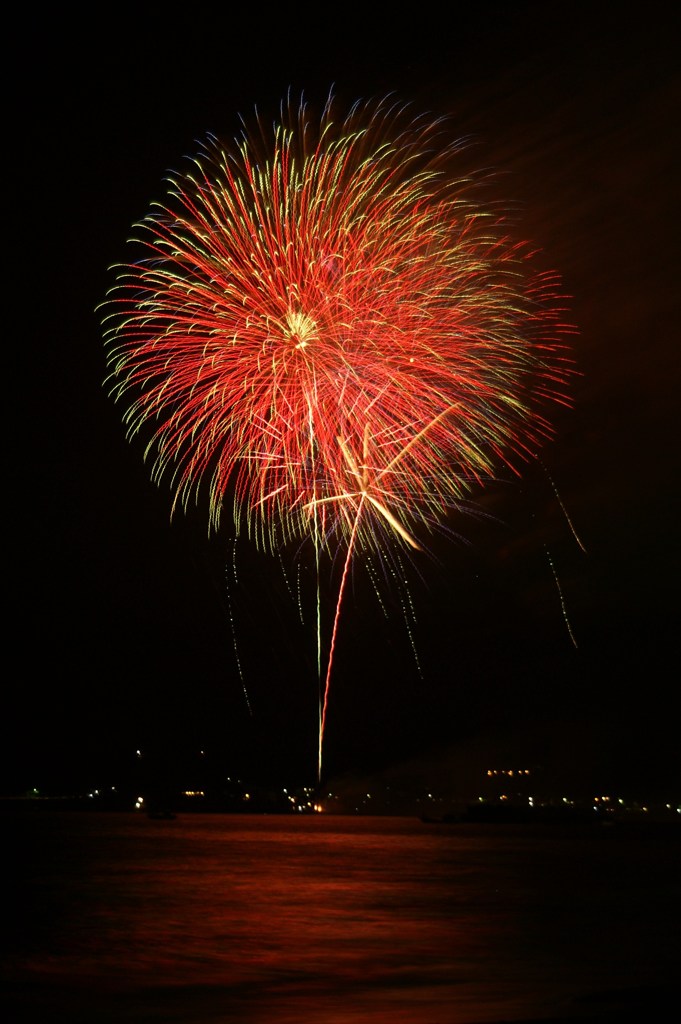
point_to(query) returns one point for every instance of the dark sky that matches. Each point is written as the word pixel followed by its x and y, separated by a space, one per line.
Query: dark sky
pixel 120 627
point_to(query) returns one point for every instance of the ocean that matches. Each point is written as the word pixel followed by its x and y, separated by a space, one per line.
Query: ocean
pixel 114 918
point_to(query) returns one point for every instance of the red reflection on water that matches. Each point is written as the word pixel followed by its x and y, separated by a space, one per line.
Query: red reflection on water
pixel 329 920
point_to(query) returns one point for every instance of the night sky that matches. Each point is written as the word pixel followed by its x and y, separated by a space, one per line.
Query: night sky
pixel 122 625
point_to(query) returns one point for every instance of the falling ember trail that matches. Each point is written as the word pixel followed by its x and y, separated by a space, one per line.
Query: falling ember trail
pixel 565 512
pixel 334 632
pixel 232 627
pixel 562 598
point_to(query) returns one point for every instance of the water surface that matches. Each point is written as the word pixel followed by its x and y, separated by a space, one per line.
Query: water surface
pixel 327 920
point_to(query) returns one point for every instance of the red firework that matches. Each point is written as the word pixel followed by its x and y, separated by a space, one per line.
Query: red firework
pixel 326 322
pixel 329 332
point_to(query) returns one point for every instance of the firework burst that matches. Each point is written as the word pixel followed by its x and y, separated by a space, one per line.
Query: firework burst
pixel 331 334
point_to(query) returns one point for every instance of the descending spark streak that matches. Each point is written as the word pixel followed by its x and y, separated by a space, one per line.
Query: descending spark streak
pixel 409 617
pixel 561 597
pixel 233 630
pixel 318 605
pixel 568 519
pixel 334 632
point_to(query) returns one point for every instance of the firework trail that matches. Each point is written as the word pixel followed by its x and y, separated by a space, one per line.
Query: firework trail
pixel 331 335
pixel 232 627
